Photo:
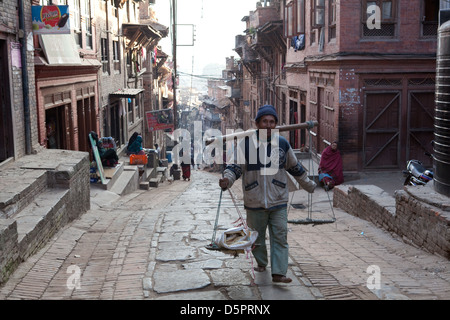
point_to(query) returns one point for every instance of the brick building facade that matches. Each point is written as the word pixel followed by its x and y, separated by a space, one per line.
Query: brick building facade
pixel 18 127
pixel 93 79
pixel 334 64
pixel 66 69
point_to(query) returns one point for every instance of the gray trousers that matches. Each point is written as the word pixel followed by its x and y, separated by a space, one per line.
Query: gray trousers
pixel 276 221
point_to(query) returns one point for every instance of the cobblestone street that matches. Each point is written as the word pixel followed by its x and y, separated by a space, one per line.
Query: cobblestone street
pixel 151 245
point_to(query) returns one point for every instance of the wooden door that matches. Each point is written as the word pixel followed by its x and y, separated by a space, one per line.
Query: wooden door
pixel 293 119
pixel 6 133
pixel 326 120
pixel 314 115
pixel 420 126
pixel 68 140
pixel 83 132
pixel 382 121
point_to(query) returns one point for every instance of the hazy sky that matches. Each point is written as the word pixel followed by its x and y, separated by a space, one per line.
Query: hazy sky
pixel 217 22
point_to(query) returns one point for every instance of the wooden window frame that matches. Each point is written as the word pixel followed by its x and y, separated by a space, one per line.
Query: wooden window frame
pixel 86 15
pixel 116 56
pixel 429 26
pixel 294 18
pixel 317 6
pixel 332 17
pixel 76 23
pixel 290 22
pixel 300 16
pixel 389 26
pixel 105 55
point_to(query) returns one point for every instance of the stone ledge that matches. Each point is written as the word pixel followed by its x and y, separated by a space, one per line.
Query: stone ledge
pixel 42 193
pixel 428 195
pixel 418 215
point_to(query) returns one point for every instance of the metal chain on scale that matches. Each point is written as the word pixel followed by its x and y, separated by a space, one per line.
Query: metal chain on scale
pixel 309 219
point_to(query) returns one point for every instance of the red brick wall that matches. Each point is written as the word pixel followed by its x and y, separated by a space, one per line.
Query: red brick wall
pixel 407 215
pixel 408 40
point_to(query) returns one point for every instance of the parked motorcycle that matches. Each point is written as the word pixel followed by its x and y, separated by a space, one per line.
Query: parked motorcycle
pixel 416 174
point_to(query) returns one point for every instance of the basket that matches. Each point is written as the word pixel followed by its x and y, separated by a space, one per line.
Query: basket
pixel 138 159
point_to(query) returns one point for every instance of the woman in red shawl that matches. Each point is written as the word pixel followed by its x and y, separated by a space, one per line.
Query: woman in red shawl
pixel 330 167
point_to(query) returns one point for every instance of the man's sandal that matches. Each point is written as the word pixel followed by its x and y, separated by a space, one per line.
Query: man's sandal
pixel 260 269
pixel 282 279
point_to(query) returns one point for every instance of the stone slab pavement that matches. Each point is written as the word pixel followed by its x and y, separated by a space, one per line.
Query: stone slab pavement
pixel 150 245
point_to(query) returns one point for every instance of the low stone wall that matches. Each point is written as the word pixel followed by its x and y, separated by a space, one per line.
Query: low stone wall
pixel 9 248
pixel 65 196
pixel 74 176
pixel 417 214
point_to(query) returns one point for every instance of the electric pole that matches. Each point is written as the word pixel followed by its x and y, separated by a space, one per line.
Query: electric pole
pixel 174 53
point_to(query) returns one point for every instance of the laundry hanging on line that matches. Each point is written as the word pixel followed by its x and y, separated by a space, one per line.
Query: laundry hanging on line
pixel 298 42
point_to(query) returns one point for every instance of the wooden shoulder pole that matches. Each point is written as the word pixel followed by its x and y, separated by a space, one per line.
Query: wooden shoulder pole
pixel 242 134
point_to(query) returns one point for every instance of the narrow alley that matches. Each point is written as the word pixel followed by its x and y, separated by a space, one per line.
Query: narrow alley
pixel 150 245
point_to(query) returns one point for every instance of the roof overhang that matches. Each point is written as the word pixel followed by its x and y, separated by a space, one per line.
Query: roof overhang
pixel 299 67
pixel 127 93
pixel 140 35
pixel 271 26
pixel 60 49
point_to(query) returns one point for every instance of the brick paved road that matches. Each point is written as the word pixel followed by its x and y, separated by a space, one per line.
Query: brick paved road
pixel 150 245
pixel 333 259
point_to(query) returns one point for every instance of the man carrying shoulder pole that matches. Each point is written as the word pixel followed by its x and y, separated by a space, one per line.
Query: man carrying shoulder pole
pixel 265 160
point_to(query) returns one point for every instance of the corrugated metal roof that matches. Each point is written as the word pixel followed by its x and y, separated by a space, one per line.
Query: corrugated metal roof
pixel 127 93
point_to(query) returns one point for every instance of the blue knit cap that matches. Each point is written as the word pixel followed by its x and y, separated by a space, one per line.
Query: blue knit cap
pixel 266 110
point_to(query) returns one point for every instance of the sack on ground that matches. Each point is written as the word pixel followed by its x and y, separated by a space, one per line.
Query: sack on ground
pixel 237 238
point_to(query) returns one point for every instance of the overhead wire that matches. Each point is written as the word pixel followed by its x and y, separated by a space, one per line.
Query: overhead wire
pixel 312 60
pixel 213 77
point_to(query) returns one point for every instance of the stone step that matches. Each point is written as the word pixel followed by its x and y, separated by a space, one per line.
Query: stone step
pixel 162 173
pixel 40 220
pixel 144 185
pixel 111 175
pixel 150 173
pixel 147 174
pixel 127 182
pixel 154 182
pixel 18 188
pixel 39 194
pixel 123 180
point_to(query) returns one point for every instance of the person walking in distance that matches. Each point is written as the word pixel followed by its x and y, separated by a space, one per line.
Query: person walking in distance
pixel 263 162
